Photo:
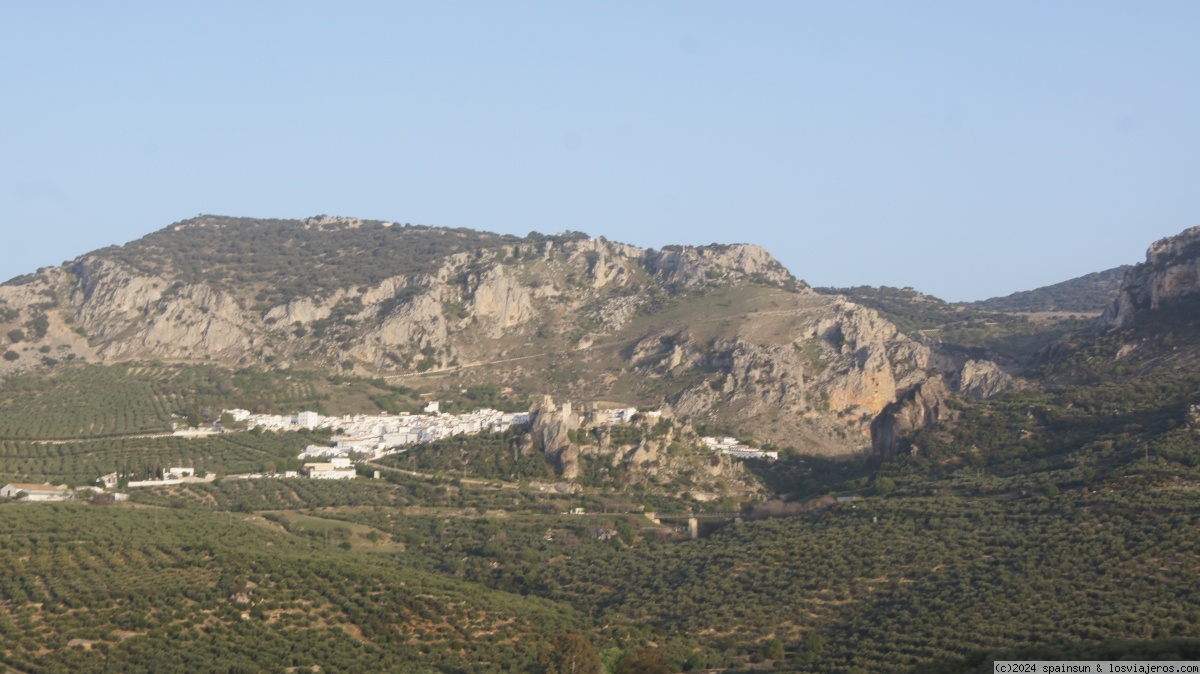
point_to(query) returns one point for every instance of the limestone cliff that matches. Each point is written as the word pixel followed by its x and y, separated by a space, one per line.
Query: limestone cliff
pixel 655 450
pixel 814 376
pixel 1171 269
pixel 500 301
pixel 924 406
pixel 983 379
pixel 137 315
pixel 551 429
pixel 690 266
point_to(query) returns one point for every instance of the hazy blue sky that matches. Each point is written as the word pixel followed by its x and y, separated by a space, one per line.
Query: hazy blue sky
pixel 967 149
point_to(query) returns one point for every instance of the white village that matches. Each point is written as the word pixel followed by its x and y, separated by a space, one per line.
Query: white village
pixel 365 437
pixel 357 439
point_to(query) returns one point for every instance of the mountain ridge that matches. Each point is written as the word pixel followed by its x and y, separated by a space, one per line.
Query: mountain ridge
pixel 721 332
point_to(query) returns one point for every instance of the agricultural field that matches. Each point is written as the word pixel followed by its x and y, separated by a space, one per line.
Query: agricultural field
pixel 114 589
pixel 96 401
pixel 79 463
pixel 458 578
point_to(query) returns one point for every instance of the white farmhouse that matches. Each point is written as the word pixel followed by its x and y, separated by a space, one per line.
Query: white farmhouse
pixel 36 492
pixel 336 469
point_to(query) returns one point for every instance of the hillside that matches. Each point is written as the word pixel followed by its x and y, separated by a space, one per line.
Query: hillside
pixel 277 261
pixel 720 332
pixel 1086 294
pixel 966 331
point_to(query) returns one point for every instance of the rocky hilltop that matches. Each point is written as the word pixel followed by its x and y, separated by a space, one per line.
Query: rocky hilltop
pixel 722 334
pixel 1171 269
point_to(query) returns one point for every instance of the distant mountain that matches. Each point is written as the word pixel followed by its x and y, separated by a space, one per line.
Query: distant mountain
pixel 1088 293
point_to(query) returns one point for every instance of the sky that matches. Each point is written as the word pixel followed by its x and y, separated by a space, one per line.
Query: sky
pixel 965 149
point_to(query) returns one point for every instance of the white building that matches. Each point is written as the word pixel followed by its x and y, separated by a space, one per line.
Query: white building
pixel 732 447
pixel 334 470
pixel 36 492
pixel 372 436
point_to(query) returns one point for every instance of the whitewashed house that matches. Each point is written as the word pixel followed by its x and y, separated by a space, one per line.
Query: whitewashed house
pixel 35 492
pixel 335 469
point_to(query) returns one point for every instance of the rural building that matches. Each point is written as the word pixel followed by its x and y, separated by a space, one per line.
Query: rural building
pixel 335 469
pixel 36 492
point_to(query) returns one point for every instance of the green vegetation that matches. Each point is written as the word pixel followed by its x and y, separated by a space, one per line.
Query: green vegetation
pixel 149 590
pixel 1091 292
pixel 79 463
pixel 496 456
pixel 97 400
pixel 910 310
pixel 281 260
pixel 874 585
pixel 976 332
pixel 889 583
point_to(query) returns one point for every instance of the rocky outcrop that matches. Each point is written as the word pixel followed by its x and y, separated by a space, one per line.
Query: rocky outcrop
pixel 843 366
pixel 924 406
pixel 418 324
pixel 396 287
pixel 1171 269
pixel 303 311
pixel 139 315
pixel 551 428
pixel 110 298
pixel 501 302
pixel 687 265
pixel 665 454
pixel 879 360
pixel 983 379
pixel 603 262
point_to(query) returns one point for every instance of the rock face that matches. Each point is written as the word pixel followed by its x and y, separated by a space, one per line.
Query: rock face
pixel 302 311
pixel 924 406
pixel 983 379
pixel 690 266
pixel 818 375
pixel 1171 269
pixel 656 451
pixel 551 428
pixel 501 302
pixel 136 315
